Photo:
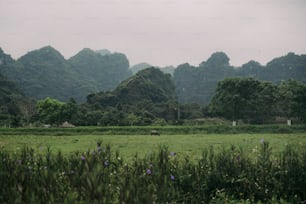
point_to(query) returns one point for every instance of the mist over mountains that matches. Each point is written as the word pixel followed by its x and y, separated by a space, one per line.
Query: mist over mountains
pixel 46 73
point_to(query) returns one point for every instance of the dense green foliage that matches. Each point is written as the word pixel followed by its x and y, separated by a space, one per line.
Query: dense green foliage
pixel 15 108
pixel 256 101
pixel 99 70
pixel 148 97
pixel 101 176
pixel 46 73
pixel 139 100
pixel 198 84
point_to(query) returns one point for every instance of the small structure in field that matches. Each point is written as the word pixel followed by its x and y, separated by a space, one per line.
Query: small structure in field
pixel 66 124
pixel 155 132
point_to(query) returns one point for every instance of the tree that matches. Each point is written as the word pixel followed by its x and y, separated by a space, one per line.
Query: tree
pixel 50 111
pixel 292 99
pixel 299 105
pixel 244 98
pixel 289 94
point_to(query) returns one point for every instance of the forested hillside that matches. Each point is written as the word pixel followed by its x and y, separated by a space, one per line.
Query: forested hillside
pixel 101 71
pixel 15 108
pixel 198 84
pixel 46 73
pixel 141 98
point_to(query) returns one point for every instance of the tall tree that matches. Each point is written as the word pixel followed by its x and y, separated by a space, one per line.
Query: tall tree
pixel 243 98
pixel 50 111
pixel 291 99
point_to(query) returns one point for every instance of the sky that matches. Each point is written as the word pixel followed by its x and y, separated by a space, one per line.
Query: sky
pixel 159 32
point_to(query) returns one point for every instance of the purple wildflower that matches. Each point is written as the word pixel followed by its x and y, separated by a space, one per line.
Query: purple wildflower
pixel 262 141
pixel 83 158
pixel 172 177
pixel 149 172
pixel 106 163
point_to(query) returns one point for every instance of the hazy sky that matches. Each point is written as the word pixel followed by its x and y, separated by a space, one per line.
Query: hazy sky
pixel 160 32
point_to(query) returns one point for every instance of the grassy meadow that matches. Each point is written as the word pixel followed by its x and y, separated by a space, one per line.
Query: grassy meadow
pixel 176 167
pixel 190 145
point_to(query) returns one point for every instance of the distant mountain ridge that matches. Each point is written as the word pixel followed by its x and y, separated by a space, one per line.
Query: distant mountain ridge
pixel 46 73
pixel 137 67
pixel 196 84
pixel 141 66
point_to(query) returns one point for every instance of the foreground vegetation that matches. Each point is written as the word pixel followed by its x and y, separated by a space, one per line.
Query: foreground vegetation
pixel 230 174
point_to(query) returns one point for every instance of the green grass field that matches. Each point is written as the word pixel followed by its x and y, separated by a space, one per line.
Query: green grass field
pixel 248 173
pixel 128 145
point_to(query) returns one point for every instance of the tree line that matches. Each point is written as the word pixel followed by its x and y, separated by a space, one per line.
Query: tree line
pixel 241 99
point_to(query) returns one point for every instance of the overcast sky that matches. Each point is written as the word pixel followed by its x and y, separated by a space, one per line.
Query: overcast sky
pixel 160 32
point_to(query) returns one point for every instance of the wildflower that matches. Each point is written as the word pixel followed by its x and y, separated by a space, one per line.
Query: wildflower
pixel 19 162
pixel 172 154
pixel 83 158
pixel 172 177
pixel 262 141
pixel 106 163
pixel 149 172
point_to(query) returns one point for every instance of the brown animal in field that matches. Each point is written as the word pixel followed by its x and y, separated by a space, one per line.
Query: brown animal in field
pixel 155 132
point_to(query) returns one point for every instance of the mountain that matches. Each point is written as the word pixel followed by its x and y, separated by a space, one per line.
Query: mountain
pixel 103 52
pixel 145 98
pixel 42 73
pixel 101 72
pixel 137 67
pixel 168 69
pixel 149 86
pixel 46 73
pixel 197 84
pixel 15 107
pixel 291 66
